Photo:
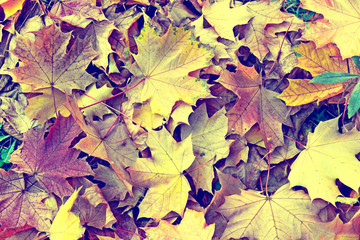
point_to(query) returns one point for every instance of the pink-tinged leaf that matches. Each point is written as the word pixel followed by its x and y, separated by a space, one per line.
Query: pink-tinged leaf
pixel 51 160
pixel 21 202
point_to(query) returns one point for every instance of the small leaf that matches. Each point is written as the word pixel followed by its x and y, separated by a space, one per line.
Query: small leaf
pixel 333 77
pixel 354 101
pixel 356 60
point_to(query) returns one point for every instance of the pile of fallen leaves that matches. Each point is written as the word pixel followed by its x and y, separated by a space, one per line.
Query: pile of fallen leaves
pixel 183 119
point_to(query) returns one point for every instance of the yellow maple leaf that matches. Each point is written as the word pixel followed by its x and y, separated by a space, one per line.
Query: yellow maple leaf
pixel 163 174
pixel 328 156
pixel 165 63
pixel 341 23
pixel 287 214
pixel 66 225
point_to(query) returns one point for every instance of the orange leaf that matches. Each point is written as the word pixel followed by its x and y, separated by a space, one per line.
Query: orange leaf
pixel 319 60
pixel 11 6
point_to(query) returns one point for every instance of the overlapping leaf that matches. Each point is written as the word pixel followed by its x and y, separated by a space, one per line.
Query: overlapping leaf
pixel 163 174
pixel 51 160
pixel 287 214
pixel 340 24
pixel 208 137
pixel 22 202
pixel 256 104
pixel 47 64
pixel 165 63
pixel 328 156
pixel 192 226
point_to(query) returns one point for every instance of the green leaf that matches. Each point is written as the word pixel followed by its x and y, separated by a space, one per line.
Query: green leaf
pixel 4 137
pixel 356 60
pixel 333 77
pixel 354 101
pixel 5 153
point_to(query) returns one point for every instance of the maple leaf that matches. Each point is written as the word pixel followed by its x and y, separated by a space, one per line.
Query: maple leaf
pixel 51 160
pixel 108 140
pixel 180 115
pixel 47 64
pixel 21 202
pixel 255 15
pixel 208 137
pixel 163 175
pixel 319 60
pixel 340 23
pixel 165 63
pixel 41 107
pixel 287 214
pixel 328 156
pixel 192 226
pixel 256 104
pixel 98 34
pixel 93 203
pixel 77 12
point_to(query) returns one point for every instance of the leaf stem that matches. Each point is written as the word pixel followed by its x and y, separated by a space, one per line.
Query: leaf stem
pixel 112 125
pixel 113 95
pixel 268 173
pixel 53 95
pixel 200 165
pixel 295 141
pixel 256 167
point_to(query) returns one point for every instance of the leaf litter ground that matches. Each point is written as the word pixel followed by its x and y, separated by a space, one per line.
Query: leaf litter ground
pixel 146 120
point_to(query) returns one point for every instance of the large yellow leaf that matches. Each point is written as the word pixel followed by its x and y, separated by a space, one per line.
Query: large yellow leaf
pixel 163 174
pixel 192 226
pixel 66 224
pixel 340 24
pixel 165 63
pixel 300 92
pixel 328 156
pixel 287 214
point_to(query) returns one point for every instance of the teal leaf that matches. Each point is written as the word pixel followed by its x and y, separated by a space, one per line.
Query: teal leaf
pixel 333 77
pixel 5 153
pixel 354 101
pixel 4 137
pixel 356 60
